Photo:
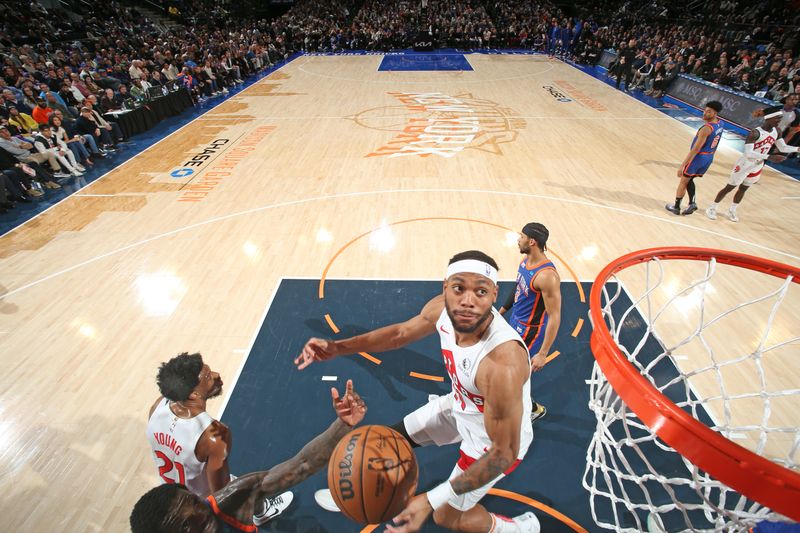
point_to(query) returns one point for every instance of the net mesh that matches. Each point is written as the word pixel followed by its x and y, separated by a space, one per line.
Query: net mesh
pixel 690 348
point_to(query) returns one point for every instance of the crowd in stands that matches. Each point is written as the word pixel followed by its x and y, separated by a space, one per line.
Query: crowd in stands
pixel 751 47
pixel 63 73
pixel 65 69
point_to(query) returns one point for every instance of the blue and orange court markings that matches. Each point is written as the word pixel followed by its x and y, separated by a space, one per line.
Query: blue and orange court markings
pixel 274 409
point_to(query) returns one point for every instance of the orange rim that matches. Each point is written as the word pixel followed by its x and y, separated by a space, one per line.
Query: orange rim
pixel 750 474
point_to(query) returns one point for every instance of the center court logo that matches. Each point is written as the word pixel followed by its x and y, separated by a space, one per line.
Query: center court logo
pixel 440 125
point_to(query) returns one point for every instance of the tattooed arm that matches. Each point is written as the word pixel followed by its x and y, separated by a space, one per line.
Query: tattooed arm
pixel 500 378
pixel 308 461
pixel 243 495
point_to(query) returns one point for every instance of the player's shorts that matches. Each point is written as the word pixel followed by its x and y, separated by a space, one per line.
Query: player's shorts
pixel 746 172
pixel 698 166
pixel 435 423
pixel 532 336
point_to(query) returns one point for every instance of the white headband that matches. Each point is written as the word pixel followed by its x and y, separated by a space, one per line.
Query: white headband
pixel 473 266
pixel 774 114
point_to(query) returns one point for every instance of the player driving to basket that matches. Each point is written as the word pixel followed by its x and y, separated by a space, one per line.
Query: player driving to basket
pixel 488 409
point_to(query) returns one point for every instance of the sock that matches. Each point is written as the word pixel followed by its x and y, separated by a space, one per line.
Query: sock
pixel 690 188
pixel 678 203
pixel 733 207
pixel 713 205
pixel 501 524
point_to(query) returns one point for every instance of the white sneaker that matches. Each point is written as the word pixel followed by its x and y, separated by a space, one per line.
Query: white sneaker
pixel 81 168
pixel 60 174
pixel 77 172
pixel 528 523
pixel 325 500
pixel 711 213
pixel 524 523
pixel 732 216
pixel 273 507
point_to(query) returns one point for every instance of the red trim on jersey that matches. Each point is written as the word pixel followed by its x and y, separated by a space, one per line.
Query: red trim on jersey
pixel 465 461
pixel 231 521
pixel 754 174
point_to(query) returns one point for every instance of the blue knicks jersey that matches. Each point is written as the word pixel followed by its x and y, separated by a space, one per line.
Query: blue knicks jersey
pixel 528 315
pixel 712 141
pixel 702 161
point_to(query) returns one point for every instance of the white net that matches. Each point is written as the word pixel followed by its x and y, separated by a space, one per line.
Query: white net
pixel 721 342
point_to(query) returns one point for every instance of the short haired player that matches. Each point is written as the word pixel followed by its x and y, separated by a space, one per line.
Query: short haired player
pixel 748 168
pixel 171 507
pixel 189 446
pixel 699 159
pixel 488 409
pixel 535 303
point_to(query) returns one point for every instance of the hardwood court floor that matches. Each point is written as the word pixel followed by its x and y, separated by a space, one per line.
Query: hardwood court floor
pixel 154 259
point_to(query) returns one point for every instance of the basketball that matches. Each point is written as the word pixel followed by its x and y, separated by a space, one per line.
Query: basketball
pixel 372 473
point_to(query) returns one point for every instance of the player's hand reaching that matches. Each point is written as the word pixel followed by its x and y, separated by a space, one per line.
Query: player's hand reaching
pixel 314 350
pixel 538 361
pixel 350 408
pixel 413 516
pixel 777 158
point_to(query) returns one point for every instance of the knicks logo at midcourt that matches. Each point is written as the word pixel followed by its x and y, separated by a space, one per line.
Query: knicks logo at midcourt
pixel 440 125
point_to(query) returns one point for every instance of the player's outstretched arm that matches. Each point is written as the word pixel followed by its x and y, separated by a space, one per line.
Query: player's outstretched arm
pixel 501 382
pixel 239 497
pixel 350 410
pixel 379 340
pixel 781 145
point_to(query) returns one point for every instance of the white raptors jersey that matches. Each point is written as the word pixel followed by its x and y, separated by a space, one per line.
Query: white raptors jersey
pixel 749 167
pixel 173 440
pixel 462 365
pixel 765 140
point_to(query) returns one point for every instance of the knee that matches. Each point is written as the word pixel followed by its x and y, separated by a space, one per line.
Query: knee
pixel 447 517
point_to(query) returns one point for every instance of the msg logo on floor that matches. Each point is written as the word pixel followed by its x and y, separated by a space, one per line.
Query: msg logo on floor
pixel 437 124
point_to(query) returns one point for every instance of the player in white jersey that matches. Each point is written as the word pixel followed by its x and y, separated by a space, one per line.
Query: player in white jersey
pixel 488 409
pixel 189 447
pixel 748 168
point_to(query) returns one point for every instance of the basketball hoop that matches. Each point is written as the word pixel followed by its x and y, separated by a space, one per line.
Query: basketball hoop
pixel 662 457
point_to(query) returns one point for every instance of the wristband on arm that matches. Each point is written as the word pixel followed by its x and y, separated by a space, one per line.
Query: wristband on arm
pixel 440 495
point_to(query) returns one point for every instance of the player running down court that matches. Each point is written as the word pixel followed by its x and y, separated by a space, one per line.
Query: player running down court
pixel 699 159
pixel 748 168
pixel 488 409
pixel 171 507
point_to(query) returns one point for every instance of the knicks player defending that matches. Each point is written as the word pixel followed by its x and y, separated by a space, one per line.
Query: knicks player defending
pixel 748 168
pixel 488 409
pixel 171 508
pixel 700 157
pixel 535 304
pixel 189 446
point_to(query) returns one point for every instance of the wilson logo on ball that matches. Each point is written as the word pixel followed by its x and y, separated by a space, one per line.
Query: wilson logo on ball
pixel 346 469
